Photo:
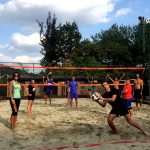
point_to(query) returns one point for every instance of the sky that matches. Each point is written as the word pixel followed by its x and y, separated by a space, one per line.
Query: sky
pixel 19 31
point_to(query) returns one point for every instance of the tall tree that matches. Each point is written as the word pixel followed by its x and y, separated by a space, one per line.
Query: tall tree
pixel 57 41
pixel 69 39
pixel 48 38
pixel 141 57
pixel 114 46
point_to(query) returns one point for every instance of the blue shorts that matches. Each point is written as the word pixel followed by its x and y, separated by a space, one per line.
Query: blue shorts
pixel 73 95
pixel 48 93
pixel 128 103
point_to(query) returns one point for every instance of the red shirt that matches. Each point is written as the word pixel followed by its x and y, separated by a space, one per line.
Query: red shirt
pixel 128 94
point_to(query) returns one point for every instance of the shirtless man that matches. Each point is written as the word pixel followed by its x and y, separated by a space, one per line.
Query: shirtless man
pixel 115 81
pixel 138 88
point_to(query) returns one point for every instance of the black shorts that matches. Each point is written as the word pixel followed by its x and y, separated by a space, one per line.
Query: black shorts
pixel 48 93
pixel 120 110
pixel 137 93
pixel 31 97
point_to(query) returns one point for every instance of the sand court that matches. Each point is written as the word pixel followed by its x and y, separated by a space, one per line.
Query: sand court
pixel 61 127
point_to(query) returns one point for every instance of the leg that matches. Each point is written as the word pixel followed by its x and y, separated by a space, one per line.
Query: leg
pixel 16 113
pixel 68 98
pixel 129 106
pixel 15 120
pixel 71 99
pixel 50 101
pixel 140 102
pixel 76 100
pixel 12 126
pixel 110 119
pixel 50 97
pixel 134 124
pixel 29 107
pixel 130 112
pixel 45 98
pixel 71 102
pixel 31 103
pixel 12 122
pixel 136 102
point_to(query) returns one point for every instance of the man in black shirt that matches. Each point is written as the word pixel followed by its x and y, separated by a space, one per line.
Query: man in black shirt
pixel 112 96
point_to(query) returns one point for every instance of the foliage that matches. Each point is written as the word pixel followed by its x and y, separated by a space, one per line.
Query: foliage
pixel 57 41
pixel 114 47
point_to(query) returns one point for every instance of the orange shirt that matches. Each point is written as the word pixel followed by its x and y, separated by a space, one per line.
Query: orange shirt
pixel 128 94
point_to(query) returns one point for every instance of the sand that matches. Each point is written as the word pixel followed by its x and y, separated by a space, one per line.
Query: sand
pixel 61 127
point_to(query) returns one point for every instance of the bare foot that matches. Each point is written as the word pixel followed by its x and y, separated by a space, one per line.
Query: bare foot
pixel 146 133
pixel 29 114
pixel 113 132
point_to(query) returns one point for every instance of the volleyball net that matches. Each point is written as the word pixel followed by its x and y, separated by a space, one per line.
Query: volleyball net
pixel 61 75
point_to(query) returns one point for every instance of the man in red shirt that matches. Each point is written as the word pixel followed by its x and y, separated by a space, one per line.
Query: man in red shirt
pixel 127 95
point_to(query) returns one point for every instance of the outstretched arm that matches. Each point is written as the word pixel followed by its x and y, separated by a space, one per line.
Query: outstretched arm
pixel 88 79
pixel 49 74
pixel 121 77
pixel 110 78
pixel 43 79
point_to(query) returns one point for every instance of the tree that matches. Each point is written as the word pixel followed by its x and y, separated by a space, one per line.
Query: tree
pixel 57 41
pixel 137 47
pixel 86 55
pixel 49 38
pixel 69 39
pixel 114 46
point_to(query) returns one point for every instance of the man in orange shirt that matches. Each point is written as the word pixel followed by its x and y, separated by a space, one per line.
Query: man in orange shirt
pixel 127 95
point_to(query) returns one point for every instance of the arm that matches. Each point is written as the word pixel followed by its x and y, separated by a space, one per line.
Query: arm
pixel 53 81
pixel 92 79
pixel 121 77
pixel 142 84
pixel 124 91
pixel 11 95
pixel 43 79
pixel 49 74
pixel 77 87
pixel 27 91
pixel 11 91
pixel 47 77
pixel 88 79
pixel 110 78
pixel 101 101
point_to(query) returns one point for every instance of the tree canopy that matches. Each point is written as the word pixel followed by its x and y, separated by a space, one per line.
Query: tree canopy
pixel 117 46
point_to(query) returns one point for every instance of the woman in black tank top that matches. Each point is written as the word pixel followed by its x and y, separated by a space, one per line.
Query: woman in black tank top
pixel 31 95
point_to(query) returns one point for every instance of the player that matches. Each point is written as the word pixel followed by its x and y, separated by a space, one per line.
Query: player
pixel 112 96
